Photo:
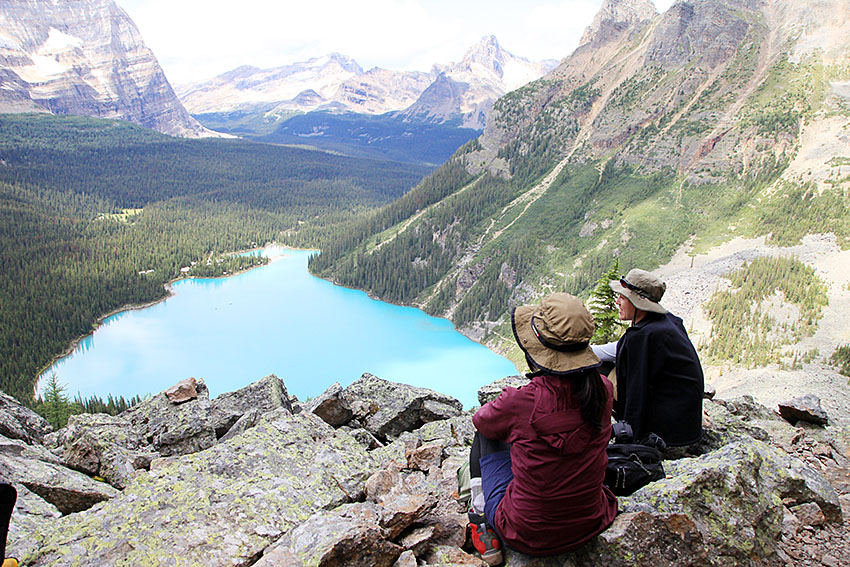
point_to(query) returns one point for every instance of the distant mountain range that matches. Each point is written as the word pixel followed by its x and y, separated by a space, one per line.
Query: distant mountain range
pixel 331 103
pixel 87 57
pixel 460 93
pixel 84 57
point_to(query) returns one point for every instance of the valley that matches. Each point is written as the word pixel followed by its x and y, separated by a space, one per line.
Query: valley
pixel 708 143
pixel 656 138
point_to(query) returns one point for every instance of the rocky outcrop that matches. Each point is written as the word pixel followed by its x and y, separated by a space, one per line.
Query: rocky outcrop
pixel 18 422
pixel 386 409
pixel 85 57
pixel 114 448
pixel 291 489
pixel 615 17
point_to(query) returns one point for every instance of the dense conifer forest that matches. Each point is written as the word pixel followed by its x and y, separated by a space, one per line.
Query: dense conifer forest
pixel 96 215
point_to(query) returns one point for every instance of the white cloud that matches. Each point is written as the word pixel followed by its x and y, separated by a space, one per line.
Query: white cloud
pixel 197 39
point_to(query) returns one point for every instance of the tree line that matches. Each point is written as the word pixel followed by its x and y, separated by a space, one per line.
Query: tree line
pixel 96 215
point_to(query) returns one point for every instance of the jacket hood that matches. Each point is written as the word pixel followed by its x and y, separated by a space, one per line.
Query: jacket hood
pixel 556 416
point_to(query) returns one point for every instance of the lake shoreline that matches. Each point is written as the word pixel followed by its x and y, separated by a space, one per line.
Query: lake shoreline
pixel 231 332
pixel 169 293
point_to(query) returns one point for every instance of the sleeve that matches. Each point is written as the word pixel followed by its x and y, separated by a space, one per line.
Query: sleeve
pixel 606 352
pixel 495 419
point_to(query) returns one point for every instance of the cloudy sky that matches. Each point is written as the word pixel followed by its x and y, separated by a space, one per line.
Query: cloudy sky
pixel 199 39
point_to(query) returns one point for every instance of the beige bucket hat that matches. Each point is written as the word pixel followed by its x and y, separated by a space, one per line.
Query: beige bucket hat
pixel 556 334
pixel 642 288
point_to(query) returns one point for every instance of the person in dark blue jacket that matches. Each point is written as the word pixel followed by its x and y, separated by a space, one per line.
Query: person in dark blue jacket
pixel 660 382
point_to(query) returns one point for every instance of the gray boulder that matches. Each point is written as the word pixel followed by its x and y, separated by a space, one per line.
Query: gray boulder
pixel 491 391
pixel 265 395
pixel 387 408
pixel 102 445
pixel 69 491
pixel 174 429
pixel 18 448
pixel 354 534
pixel 19 422
pixel 222 506
pixel 805 408
pixel 177 421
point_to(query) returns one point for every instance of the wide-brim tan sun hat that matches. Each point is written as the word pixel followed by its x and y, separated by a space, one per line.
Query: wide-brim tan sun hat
pixel 556 334
pixel 642 288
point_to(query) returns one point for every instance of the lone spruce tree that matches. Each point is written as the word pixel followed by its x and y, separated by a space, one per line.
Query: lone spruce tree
pixel 603 307
pixel 55 407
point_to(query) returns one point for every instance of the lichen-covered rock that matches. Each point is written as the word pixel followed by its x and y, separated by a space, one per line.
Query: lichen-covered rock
pixel 394 408
pixel 351 535
pixel 69 491
pixel 218 507
pixel 32 514
pixel 103 445
pixel 735 497
pixel 19 422
pixel 174 429
pixel 490 392
pixel 331 406
pixel 264 395
pixel 248 420
pixel 723 508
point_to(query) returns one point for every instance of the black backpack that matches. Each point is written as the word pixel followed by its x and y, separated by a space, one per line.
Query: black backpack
pixel 631 464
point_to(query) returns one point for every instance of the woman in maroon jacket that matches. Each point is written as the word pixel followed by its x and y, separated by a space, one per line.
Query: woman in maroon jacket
pixel 540 449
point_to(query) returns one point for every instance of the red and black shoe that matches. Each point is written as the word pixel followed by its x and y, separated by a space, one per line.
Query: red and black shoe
pixel 485 540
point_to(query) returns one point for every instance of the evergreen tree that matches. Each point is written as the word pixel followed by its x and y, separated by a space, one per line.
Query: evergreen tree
pixel 602 305
pixel 55 407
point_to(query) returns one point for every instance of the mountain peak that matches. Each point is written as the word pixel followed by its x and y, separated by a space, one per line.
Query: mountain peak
pixel 486 51
pixel 614 17
pixel 85 57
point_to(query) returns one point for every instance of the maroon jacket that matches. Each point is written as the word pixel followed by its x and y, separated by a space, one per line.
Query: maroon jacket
pixel 556 501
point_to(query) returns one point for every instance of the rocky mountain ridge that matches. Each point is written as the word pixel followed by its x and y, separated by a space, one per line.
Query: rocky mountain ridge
pixel 662 137
pixel 337 83
pixel 366 475
pixel 84 57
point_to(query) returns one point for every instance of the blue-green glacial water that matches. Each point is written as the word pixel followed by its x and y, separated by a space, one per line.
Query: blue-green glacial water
pixel 277 319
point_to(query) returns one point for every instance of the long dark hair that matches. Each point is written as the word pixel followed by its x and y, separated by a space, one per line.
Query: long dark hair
pixel 588 387
pixel 592 397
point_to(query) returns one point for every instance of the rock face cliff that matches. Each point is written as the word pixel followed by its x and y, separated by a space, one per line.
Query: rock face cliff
pixel 84 57
pixel 660 134
pixel 366 475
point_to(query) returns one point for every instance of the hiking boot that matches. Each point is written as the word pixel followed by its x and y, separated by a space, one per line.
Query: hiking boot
pixel 485 540
pixel 10 562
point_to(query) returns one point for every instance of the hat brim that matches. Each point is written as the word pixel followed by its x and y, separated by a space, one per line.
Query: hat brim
pixel 547 359
pixel 638 301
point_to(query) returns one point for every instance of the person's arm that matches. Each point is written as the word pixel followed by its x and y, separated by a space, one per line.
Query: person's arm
pixel 606 352
pixel 494 419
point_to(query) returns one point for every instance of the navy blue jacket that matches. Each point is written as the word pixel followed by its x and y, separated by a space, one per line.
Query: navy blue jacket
pixel 660 382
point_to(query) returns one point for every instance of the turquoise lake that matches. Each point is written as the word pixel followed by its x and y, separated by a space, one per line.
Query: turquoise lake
pixel 276 319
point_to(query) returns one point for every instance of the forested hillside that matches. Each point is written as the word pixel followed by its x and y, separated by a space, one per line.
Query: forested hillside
pixel 654 133
pixel 95 215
